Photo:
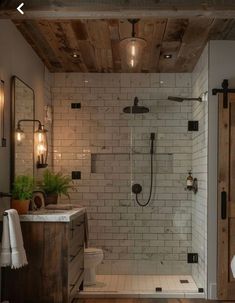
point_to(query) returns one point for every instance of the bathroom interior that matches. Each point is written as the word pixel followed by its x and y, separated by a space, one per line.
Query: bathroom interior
pixel 135 129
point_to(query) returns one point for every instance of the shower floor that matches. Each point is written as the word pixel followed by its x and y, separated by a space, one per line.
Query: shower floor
pixel 143 286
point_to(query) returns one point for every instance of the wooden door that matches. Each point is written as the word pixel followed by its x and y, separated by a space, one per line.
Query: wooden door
pixel 226 198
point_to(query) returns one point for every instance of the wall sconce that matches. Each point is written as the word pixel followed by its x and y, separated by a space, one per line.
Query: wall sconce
pixel 40 141
pixel 2 109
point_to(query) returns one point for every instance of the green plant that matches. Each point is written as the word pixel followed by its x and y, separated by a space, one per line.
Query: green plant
pixel 55 183
pixel 23 187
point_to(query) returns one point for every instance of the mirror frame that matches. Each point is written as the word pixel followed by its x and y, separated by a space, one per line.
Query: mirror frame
pixel 12 128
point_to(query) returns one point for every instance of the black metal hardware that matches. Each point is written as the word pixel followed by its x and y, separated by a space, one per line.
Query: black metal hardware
pixel 5 195
pixel 3 139
pixel 158 289
pixel 225 90
pixel 223 205
pixel 193 126
pixel 4 142
pixel 136 189
pixel 72 229
pixel 192 257
pixel 75 105
pixel 200 289
pixel 184 281
pixel 76 175
pixel 80 224
pixel 133 22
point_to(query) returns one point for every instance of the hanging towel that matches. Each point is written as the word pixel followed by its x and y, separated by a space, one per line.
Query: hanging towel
pixel 17 251
pixel 233 266
pixel 6 249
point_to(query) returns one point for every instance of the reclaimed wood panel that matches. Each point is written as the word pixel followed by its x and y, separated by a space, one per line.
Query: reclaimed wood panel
pixel 226 225
pixel 48 277
pixel 96 42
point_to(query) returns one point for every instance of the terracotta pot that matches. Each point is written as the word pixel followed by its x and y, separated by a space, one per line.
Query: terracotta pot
pixel 22 206
pixel 51 199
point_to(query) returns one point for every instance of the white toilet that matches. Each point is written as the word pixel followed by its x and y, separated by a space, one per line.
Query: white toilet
pixel 92 258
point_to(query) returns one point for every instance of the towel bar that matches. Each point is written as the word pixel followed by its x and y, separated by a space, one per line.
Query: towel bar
pixel 5 213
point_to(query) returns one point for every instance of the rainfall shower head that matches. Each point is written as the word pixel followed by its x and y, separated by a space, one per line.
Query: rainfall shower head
pixel 136 109
pixel 181 99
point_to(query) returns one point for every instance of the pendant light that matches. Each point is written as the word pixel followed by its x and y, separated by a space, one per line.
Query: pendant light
pixel 133 46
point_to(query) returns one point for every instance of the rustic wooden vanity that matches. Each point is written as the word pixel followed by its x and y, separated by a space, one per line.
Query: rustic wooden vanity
pixel 54 244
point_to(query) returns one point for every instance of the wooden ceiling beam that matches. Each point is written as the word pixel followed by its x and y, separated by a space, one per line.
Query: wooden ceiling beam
pixel 109 9
pixel 37 40
pixel 96 43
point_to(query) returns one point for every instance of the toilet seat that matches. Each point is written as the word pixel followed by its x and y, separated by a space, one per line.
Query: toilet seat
pixel 93 251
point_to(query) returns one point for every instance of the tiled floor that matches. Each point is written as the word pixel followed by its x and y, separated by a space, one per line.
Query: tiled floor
pixel 142 286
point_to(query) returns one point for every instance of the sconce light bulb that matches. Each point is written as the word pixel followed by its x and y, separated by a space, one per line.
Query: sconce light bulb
pixel 20 135
pixel 41 148
pixel 40 137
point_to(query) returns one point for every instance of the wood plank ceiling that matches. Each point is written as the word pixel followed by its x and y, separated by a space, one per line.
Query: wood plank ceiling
pixel 95 43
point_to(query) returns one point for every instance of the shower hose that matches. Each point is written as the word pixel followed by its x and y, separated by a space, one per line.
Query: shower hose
pixel 151 185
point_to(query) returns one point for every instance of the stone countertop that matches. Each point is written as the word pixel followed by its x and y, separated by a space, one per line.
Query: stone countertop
pixel 52 215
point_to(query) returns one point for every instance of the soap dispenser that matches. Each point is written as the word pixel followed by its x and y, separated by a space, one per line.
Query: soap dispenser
pixel 189 181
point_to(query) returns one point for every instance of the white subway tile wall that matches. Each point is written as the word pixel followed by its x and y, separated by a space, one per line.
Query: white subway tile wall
pixel 199 160
pixel 112 150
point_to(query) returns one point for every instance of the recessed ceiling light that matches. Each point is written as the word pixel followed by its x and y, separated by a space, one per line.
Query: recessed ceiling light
pixel 86 81
pixel 168 56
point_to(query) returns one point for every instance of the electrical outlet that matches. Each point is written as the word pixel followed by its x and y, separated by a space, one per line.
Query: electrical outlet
pixel 75 105
pixel 193 126
pixel 192 257
pixel 76 175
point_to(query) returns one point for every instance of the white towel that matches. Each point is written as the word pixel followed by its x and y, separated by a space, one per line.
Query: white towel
pixel 233 266
pixel 6 249
pixel 17 251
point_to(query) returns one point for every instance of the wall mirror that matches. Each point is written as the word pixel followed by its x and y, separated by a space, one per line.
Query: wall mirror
pixel 23 108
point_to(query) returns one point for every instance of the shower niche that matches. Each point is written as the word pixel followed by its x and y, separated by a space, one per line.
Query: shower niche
pixel 121 163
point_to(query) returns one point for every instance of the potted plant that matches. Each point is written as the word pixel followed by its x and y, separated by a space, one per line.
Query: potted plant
pixel 53 185
pixel 22 192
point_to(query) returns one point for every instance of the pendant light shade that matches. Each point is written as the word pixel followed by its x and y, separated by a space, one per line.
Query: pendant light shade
pixel 133 46
pixel 134 49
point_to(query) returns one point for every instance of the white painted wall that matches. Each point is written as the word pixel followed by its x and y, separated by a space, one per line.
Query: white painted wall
pixel 17 58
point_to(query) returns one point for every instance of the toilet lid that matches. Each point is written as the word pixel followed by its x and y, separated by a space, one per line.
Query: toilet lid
pixel 92 250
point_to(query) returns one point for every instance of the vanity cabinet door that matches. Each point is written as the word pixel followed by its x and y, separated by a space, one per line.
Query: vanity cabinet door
pixel 45 278
pixel 54 274
pixel 76 256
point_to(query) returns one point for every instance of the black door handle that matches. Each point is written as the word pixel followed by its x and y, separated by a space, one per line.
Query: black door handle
pixel 223 205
